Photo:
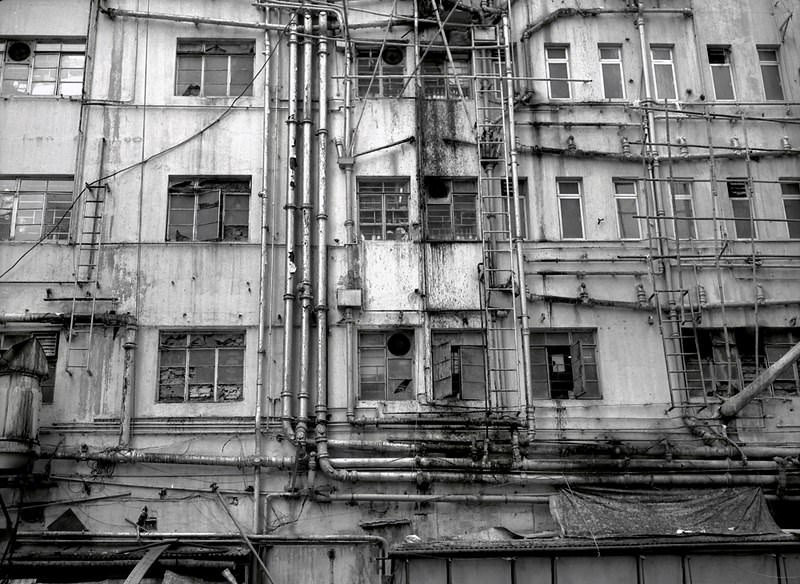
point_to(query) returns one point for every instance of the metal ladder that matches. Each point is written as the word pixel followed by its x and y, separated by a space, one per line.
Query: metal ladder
pixel 499 280
pixel 86 285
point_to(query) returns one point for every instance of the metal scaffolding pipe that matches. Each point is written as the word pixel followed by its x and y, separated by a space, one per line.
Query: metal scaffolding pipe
pixel 306 292
pixel 737 403
pixel 290 261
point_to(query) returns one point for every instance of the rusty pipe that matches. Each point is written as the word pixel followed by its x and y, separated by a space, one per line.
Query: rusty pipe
pixel 290 265
pixel 306 292
pixel 133 456
pixel 128 383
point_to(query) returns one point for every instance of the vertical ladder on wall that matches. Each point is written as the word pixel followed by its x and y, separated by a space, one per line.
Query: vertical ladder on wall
pixel 86 285
pixel 499 281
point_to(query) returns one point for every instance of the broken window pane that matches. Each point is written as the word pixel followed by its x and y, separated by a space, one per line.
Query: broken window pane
pixel 208 209
pixel 201 366
pixel 386 365
pixel 451 210
pixel 383 208
pixel 32 209
pixel 564 365
pixel 214 68
pixel 50 68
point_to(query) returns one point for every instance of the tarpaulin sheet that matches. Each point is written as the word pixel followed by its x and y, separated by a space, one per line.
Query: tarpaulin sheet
pixel 614 513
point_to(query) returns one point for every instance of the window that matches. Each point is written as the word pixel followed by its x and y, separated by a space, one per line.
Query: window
pixel 564 364
pixel 441 78
pixel 663 72
pixel 569 208
pixel 387 67
pixel 33 208
pixel 214 68
pixel 200 366
pixel 770 73
pixel 611 64
pixel 386 365
pixel 523 204
pixel 719 59
pixel 683 209
pixel 383 208
pixel 791 206
pixel 459 369
pixel 42 67
pixel 557 60
pixel 452 211
pixel 208 209
pixel 722 366
pixel 49 342
pixel 738 193
pixel 627 209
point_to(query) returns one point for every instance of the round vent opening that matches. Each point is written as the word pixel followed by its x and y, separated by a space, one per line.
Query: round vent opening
pixel 393 55
pixel 398 344
pixel 19 51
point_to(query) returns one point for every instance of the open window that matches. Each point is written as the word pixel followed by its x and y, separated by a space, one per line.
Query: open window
pixel 208 209
pixel 564 364
pixel 452 208
pixel 459 369
pixel 386 365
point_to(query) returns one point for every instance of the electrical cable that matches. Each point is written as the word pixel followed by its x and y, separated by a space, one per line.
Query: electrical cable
pixel 159 154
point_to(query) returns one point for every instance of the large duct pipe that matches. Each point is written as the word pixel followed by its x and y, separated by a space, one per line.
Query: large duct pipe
pixel 738 402
pixel 306 293
pixel 290 266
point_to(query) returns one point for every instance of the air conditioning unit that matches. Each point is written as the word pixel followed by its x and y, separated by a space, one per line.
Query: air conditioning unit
pixel 20 52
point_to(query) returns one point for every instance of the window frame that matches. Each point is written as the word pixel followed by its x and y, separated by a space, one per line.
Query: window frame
pixel 615 63
pixel 448 183
pixel 792 223
pixel 551 79
pixel 634 196
pixel 442 83
pixel 382 87
pixel 402 184
pixel 202 85
pixel 217 394
pixel 581 352
pixel 718 69
pixel 776 65
pixel 664 63
pixel 382 370
pixel 49 339
pixel 222 204
pixel 688 196
pixel 446 381
pixel 47 208
pixel 68 47
pixel 561 197
pixel 748 197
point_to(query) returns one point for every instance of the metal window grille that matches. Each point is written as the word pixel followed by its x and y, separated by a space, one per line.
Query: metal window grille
pixel 208 209
pixel 33 208
pixel 201 366
pixel 452 212
pixel 214 68
pixel 376 76
pixel 42 67
pixel 383 208
pixel 441 79
pixel 386 365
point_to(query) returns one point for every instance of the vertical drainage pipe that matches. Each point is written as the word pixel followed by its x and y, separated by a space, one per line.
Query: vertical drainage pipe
pixel 305 209
pixel 262 283
pixel 290 267
pixel 321 404
pixel 526 393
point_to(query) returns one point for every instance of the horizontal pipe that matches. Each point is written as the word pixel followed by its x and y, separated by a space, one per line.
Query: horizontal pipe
pixel 138 456
pixel 407 498
pixel 196 20
pixel 47 561
pixel 565 12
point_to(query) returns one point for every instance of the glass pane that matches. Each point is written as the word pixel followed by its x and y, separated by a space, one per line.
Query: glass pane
pixel 792 207
pixel 571 222
pixel 628 226
pixel 439 225
pixel 771 76
pixel 45 74
pixel 556 53
pixel 684 213
pixel 612 81
pixel 45 60
pixel 43 88
pixel 70 88
pixel 741 212
pixel 609 53
pixel 570 187
pixel 662 53
pixel 72 61
pixel 665 82
pixel 723 85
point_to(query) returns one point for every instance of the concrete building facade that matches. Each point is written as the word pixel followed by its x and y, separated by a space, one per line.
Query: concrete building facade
pixel 316 281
